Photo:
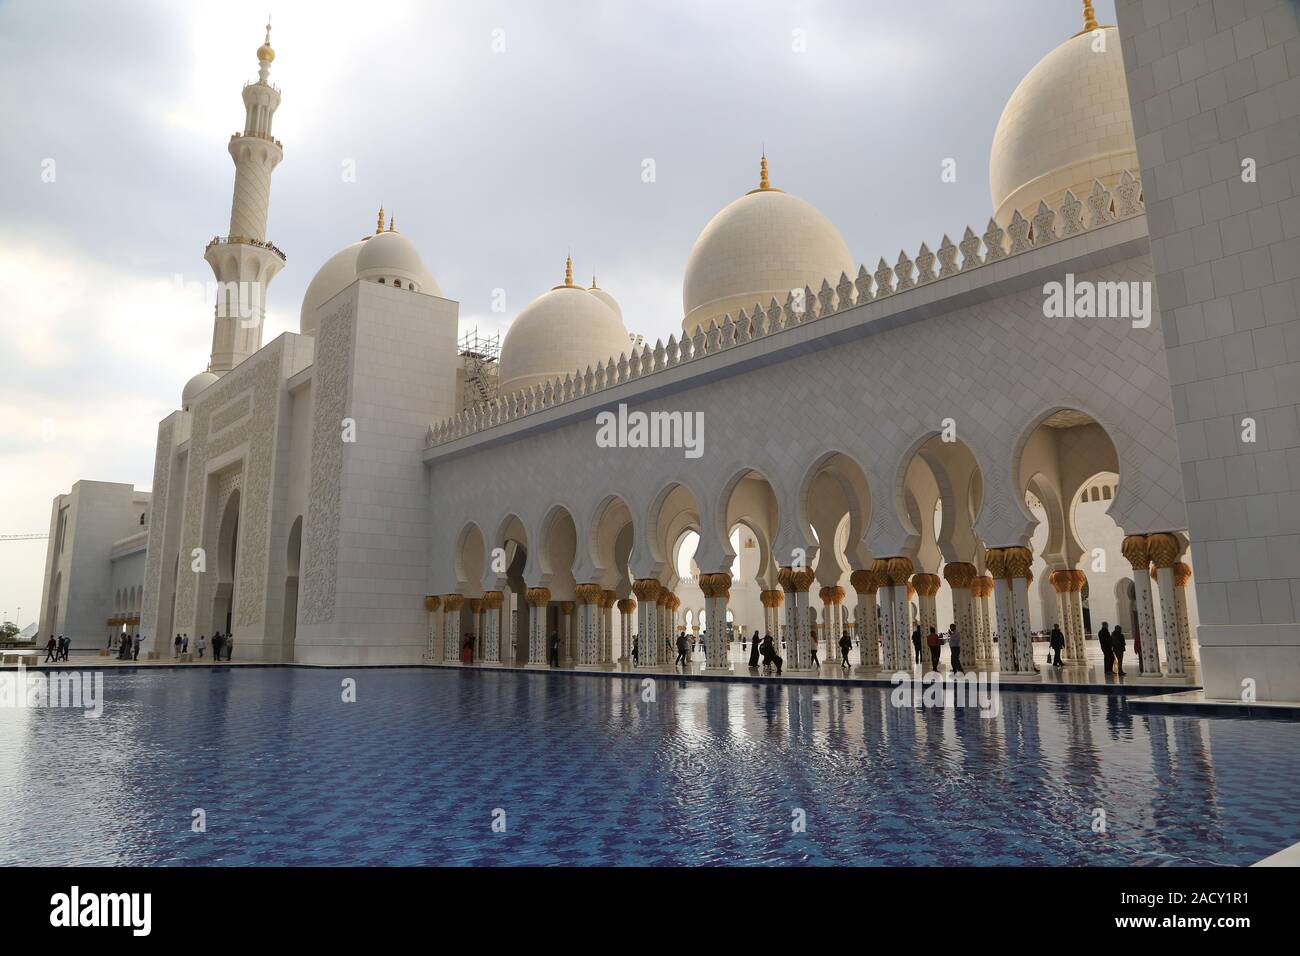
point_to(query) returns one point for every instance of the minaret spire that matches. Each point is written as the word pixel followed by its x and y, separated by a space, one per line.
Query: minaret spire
pixel 243 261
pixel 379 225
pixel 1089 17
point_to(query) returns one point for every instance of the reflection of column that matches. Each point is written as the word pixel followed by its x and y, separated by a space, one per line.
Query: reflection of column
pixel 588 601
pixel 927 586
pixel 432 652
pixel 451 605
pixel 717 590
pixel 1019 561
pixel 1183 574
pixel 476 627
pixel 626 607
pixel 865 621
pixel 960 576
pixel 647 590
pixel 607 601
pixel 885 590
pixel 1165 549
pixel 900 569
pixel 538 599
pixel 995 559
pixel 796 582
pixel 492 601
pixel 1137 548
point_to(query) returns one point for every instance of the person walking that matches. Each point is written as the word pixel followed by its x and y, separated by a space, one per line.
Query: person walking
pixel 202 645
pixel 177 652
pixel 753 651
pixel 812 640
pixel 954 648
pixel 636 650
pixel 770 656
pixel 917 642
pixel 846 645
pixel 50 647
pixel 229 642
pixel 1107 654
pixel 135 650
pixel 553 650
pixel 1057 642
pixel 932 641
pixel 1117 645
pixel 682 646
pixel 185 643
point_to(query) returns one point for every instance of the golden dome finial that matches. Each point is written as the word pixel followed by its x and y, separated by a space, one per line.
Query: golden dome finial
pixel 1089 17
pixel 568 272
pixel 392 223
pixel 264 52
pixel 763 181
pixel 593 283
pixel 379 227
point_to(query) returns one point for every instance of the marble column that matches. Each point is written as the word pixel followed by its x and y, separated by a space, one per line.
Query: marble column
pixel 927 587
pixel 832 598
pixel 476 628
pixel 866 621
pixel 538 599
pixel 1183 574
pixel 795 582
pixel 607 601
pixel 451 605
pixel 982 592
pixel 433 650
pixel 588 602
pixel 626 608
pixel 1137 549
pixel 666 632
pixel 771 601
pixel 885 592
pixel 717 591
pixel 647 591
pixel 900 570
pixel 492 602
pixel 1165 550
pixel 960 575
pixel 995 559
pixel 1019 561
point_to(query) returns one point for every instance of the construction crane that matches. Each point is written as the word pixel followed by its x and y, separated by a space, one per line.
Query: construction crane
pixel 22 537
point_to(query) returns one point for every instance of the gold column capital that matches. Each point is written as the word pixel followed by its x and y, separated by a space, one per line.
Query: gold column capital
pixel 587 593
pixel 959 574
pixel 864 582
pixel 1137 548
pixel 716 585
pixel 431 602
pixel 646 588
pixel 453 602
pixel 626 605
pixel 538 597
pixel 1165 549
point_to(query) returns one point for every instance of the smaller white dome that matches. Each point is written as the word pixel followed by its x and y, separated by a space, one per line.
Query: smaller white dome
pixel 390 255
pixel 195 385
pixel 608 299
pixel 387 256
pixel 561 332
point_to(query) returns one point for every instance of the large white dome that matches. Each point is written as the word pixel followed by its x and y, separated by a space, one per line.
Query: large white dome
pixel 387 256
pixel 560 333
pixel 761 246
pixel 1066 124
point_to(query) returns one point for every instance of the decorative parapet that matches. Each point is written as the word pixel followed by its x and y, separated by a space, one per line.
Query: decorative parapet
pixel 1074 216
pixel 245 241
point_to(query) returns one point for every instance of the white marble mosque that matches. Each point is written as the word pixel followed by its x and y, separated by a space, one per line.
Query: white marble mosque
pixel 889 439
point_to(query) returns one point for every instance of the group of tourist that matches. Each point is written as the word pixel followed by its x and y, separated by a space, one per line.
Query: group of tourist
pixel 221 644
pixel 57 650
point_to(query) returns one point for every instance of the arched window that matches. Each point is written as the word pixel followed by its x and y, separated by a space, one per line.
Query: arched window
pixel 1105 493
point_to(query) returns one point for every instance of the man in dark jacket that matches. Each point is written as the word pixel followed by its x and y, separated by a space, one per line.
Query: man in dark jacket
pixel 682 646
pixel 1058 642
pixel 1107 656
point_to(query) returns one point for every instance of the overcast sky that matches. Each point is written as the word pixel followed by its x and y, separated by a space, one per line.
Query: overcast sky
pixel 503 134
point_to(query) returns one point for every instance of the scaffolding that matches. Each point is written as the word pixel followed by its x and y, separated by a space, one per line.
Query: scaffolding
pixel 478 356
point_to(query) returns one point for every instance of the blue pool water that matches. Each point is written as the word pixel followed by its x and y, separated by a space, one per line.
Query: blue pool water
pixel 587 772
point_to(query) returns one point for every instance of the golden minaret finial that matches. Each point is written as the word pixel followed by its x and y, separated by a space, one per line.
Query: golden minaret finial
pixel 392 223
pixel 593 283
pixel 764 183
pixel 1089 17
pixel 568 272
pixel 379 226
pixel 264 52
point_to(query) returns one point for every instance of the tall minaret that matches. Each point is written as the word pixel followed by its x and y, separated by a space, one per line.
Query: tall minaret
pixel 243 261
